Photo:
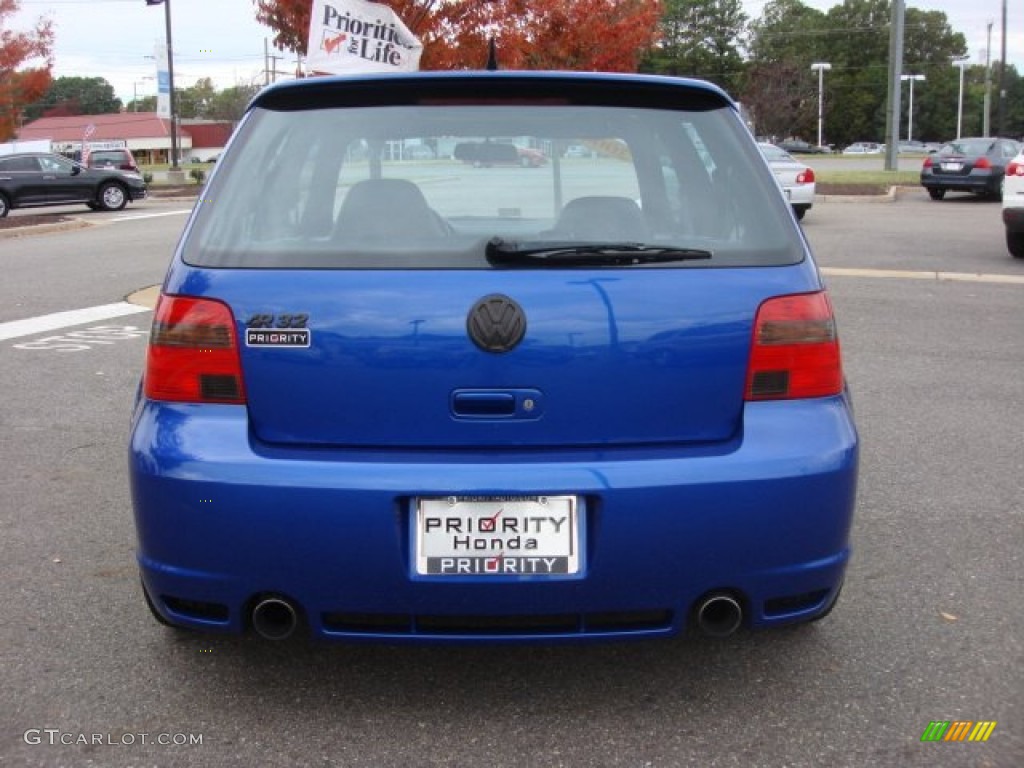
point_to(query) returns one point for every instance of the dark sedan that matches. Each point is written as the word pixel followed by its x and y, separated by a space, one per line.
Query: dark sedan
pixel 799 147
pixel 969 165
pixel 29 180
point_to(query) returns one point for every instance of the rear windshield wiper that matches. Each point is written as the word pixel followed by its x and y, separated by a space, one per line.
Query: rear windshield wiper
pixel 575 253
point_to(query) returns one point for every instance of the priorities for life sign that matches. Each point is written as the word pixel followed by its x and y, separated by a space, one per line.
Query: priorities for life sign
pixel 355 36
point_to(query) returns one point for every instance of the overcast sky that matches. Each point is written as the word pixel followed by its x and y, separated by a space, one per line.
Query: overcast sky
pixel 221 39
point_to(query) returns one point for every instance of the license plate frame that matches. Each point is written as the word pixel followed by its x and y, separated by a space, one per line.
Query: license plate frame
pixel 497 536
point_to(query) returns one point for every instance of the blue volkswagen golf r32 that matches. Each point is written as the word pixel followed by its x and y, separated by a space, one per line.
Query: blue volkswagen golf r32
pixel 422 372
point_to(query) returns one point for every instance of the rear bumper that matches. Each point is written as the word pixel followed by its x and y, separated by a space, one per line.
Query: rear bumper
pixel 979 183
pixel 801 196
pixel 222 520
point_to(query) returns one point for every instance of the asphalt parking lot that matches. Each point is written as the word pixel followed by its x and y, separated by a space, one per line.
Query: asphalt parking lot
pixel 930 626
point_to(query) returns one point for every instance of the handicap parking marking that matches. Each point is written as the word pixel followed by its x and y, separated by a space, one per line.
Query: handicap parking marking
pixel 84 339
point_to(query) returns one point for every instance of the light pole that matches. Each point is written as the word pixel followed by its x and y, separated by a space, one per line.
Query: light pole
pixel 135 92
pixel 961 63
pixel 910 105
pixel 170 80
pixel 820 67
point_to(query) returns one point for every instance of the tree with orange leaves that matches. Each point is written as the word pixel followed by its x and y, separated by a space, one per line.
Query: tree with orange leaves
pixel 19 86
pixel 596 35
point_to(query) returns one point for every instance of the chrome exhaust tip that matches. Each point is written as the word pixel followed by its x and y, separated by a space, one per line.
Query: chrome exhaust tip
pixel 719 615
pixel 274 618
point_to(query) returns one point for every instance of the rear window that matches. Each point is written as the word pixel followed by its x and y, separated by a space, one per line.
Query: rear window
pixel 967 147
pixel 427 186
pixel 109 157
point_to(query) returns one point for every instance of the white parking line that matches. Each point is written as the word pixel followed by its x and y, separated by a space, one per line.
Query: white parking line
pixel 133 217
pixel 903 274
pixel 34 325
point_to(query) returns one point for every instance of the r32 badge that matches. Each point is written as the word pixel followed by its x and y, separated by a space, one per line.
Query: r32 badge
pixel 287 330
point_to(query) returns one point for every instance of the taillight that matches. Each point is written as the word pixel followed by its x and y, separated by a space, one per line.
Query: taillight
pixel 982 162
pixel 795 350
pixel 1015 169
pixel 193 353
pixel 927 163
pixel 806 176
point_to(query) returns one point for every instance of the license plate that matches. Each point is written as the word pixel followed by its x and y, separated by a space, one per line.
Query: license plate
pixel 497 536
pixel 952 166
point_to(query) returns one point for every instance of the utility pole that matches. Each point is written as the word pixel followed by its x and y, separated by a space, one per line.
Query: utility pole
pixel 820 67
pixel 988 83
pixel 892 113
pixel 1002 80
pixel 170 77
pixel 269 64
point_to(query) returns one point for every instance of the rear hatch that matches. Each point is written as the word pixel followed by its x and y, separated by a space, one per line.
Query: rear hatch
pixel 357 285
pixel 641 357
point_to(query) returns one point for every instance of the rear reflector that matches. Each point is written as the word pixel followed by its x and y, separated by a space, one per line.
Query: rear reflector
pixel 193 353
pixel 795 349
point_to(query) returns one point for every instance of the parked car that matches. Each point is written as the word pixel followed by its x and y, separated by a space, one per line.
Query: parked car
pixel 418 152
pixel 800 147
pixel 34 179
pixel 863 148
pixel 578 150
pixel 911 147
pixel 113 158
pixel 1013 206
pixel 968 165
pixel 484 154
pixel 604 401
pixel 795 178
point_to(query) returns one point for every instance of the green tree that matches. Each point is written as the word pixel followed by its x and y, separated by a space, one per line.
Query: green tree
pixel 781 90
pixel 195 101
pixel 1014 104
pixel 230 103
pixel 76 96
pixel 142 104
pixel 929 48
pixel 700 38
pixel 857 39
pixel 787 30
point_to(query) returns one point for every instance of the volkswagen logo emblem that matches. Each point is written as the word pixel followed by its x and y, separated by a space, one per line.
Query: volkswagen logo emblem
pixel 496 323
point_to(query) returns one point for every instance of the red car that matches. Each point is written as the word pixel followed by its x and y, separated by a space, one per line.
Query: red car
pixel 121 159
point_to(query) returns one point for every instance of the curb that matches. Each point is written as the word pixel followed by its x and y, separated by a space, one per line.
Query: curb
pixel 888 197
pixel 144 297
pixel 42 229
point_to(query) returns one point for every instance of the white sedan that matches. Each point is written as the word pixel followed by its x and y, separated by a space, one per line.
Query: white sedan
pixel 795 178
pixel 1013 206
